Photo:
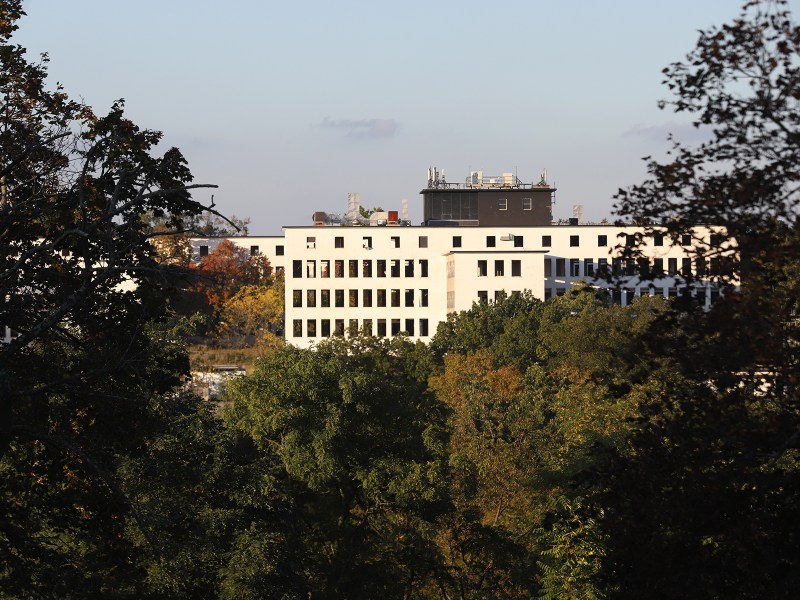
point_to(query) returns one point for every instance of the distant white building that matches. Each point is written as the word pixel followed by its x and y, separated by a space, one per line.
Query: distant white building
pixel 482 239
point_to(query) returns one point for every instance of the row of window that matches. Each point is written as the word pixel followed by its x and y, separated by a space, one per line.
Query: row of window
pixel 380 297
pixel 500 268
pixel 644 267
pixel 491 240
pixel 625 296
pixel 392 267
pixel 383 327
pixel 254 250
pixel 527 204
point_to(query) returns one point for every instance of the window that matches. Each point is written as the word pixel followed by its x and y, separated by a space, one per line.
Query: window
pixel 381 298
pixel 456 241
pixel 423 241
pixel 547 241
pixel 297 328
pixel 366 242
pixel 409 268
pixel 203 251
pixel 602 267
pixel 353 303
pixel 396 241
pixel 395 326
pixel 409 298
pixel 658 239
pixel 629 296
pixel 339 298
pixel 338 242
pixel 338 268
pixel 483 296
pixel 254 251
pixel 297 268
pixel 278 250
pixel 672 266
pixel 630 268
pixel 311 298
pixel 311 328
pixel 574 267
pixel 311 242
pixel 499 268
pixel 311 269
pixel 297 298
pixel 325 326
pixel 410 326
pixel 482 268
pixel 602 241
pixel 381 327
pixel 423 327
pixel 324 269
pixel 367 326
pixel 502 204
pixel 499 295
pixel 561 267
pixel 423 267
pixel 381 268
pixel 353 327
pixel 527 203
pixel 686 239
pixel 423 297
pixel 490 241
pixel 616 266
pixel 588 267
pixel 574 241
pixel 658 267
pixel 630 240
pixel 548 267
pixel 367 298
pixel 395 298
pixel 325 298
pixel 686 267
pixel 516 268
pixel 700 266
pixel 643 265
pixel 518 241
pixel 338 325
pixel 366 268
pixel 395 267
pixel 353 268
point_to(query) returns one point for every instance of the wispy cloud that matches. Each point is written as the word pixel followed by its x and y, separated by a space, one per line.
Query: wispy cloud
pixel 363 128
pixel 682 132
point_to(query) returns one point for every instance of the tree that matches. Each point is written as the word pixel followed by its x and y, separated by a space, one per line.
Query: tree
pixel 354 428
pixel 507 327
pixel 255 312
pixel 226 269
pixel 712 471
pixel 88 303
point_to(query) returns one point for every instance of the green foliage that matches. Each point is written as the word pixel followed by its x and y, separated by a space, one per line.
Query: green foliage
pixel 506 327
pixel 575 547
pixel 351 424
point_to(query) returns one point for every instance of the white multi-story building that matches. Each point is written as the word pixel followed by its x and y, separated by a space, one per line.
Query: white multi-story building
pixel 389 278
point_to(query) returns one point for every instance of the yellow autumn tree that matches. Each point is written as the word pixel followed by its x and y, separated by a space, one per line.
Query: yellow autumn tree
pixel 254 314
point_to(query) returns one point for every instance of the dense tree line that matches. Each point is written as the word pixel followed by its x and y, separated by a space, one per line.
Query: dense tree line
pixel 563 449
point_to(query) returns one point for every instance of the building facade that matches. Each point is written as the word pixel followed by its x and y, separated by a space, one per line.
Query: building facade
pixel 389 279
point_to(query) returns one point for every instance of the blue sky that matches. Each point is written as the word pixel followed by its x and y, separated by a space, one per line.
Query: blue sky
pixel 288 106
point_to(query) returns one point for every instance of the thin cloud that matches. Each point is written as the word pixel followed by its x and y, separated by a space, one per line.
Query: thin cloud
pixel 683 132
pixel 363 128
